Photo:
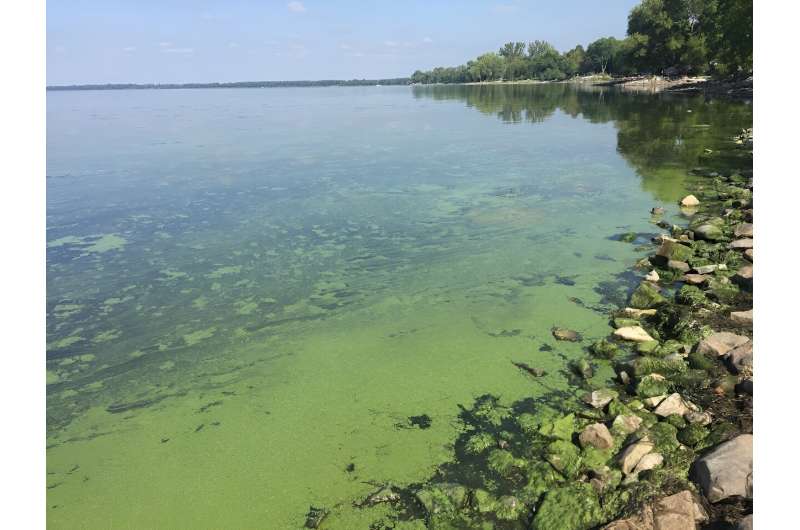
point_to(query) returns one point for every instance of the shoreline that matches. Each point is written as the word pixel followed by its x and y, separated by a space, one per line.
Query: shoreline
pixel 668 443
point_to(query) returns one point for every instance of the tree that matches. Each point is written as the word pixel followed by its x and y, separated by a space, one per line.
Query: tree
pixel 574 59
pixel 512 50
pixel 675 36
pixel 605 55
pixel 730 37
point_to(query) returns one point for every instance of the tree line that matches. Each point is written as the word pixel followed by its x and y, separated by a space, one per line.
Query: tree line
pixel 237 84
pixel 666 37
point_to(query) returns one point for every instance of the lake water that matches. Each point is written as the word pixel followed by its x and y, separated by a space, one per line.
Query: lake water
pixel 258 297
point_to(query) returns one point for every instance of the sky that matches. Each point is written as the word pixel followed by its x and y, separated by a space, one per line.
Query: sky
pixel 179 41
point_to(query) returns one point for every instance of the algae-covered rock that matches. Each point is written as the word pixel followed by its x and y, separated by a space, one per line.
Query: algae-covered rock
pixel 633 333
pixel 480 442
pixel 566 334
pixel 582 368
pixel 565 457
pixel 573 507
pixel 625 322
pixel 604 349
pixel 510 508
pixel 691 295
pixel 652 385
pixel 646 296
pixel 708 232
pixel 646 348
pixel 541 478
pixel 596 435
pixel 600 398
pixel 667 366
pixel 664 436
pixel 562 428
pixel 692 434
pixel 504 463
pixel 442 498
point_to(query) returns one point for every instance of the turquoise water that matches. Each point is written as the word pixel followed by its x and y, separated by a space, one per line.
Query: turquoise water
pixel 250 290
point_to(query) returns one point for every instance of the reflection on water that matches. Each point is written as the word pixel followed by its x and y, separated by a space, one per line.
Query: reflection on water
pixel 251 292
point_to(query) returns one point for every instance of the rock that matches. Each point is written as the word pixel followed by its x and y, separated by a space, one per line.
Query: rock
pixel 658 210
pixel 652 276
pixel 681 511
pixel 639 313
pixel 695 279
pixel 582 367
pixel 741 358
pixel 674 404
pixel 646 296
pixel 626 423
pixel 681 266
pixel 633 454
pixel 744 278
pixel 600 398
pixel 749 254
pixel 648 461
pixel 596 435
pixel 706 269
pixel 653 402
pixel 745 387
pixel 742 243
pixel 633 333
pixel 744 230
pixel 566 334
pixel 690 200
pixel 315 516
pixel 746 523
pixel 720 343
pixel 708 232
pixel 694 416
pixel 727 471
pixel 742 318
pixel 670 249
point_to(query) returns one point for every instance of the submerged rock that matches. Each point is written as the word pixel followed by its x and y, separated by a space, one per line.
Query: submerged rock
pixel 727 471
pixel 646 296
pixel 566 334
pixel 690 200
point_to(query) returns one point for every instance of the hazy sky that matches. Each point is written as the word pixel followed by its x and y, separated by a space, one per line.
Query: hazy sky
pixel 166 41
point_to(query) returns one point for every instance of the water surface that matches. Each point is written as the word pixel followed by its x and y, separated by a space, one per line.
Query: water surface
pixel 250 292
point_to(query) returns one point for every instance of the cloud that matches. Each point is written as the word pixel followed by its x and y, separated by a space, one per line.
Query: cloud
pixel 296 7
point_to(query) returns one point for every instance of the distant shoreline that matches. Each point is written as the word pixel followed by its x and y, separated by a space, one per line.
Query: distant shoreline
pixel 236 84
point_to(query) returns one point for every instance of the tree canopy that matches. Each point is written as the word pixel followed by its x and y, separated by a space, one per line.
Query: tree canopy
pixel 666 37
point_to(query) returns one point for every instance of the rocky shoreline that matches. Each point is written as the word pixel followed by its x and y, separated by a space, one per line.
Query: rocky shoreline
pixel 668 445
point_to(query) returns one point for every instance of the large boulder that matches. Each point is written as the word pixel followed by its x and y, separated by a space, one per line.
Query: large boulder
pixel 727 471
pixel 720 343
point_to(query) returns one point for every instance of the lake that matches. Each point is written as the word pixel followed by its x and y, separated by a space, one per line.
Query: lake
pixel 265 299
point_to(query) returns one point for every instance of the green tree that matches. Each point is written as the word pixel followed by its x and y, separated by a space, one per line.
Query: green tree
pixel 574 59
pixel 605 55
